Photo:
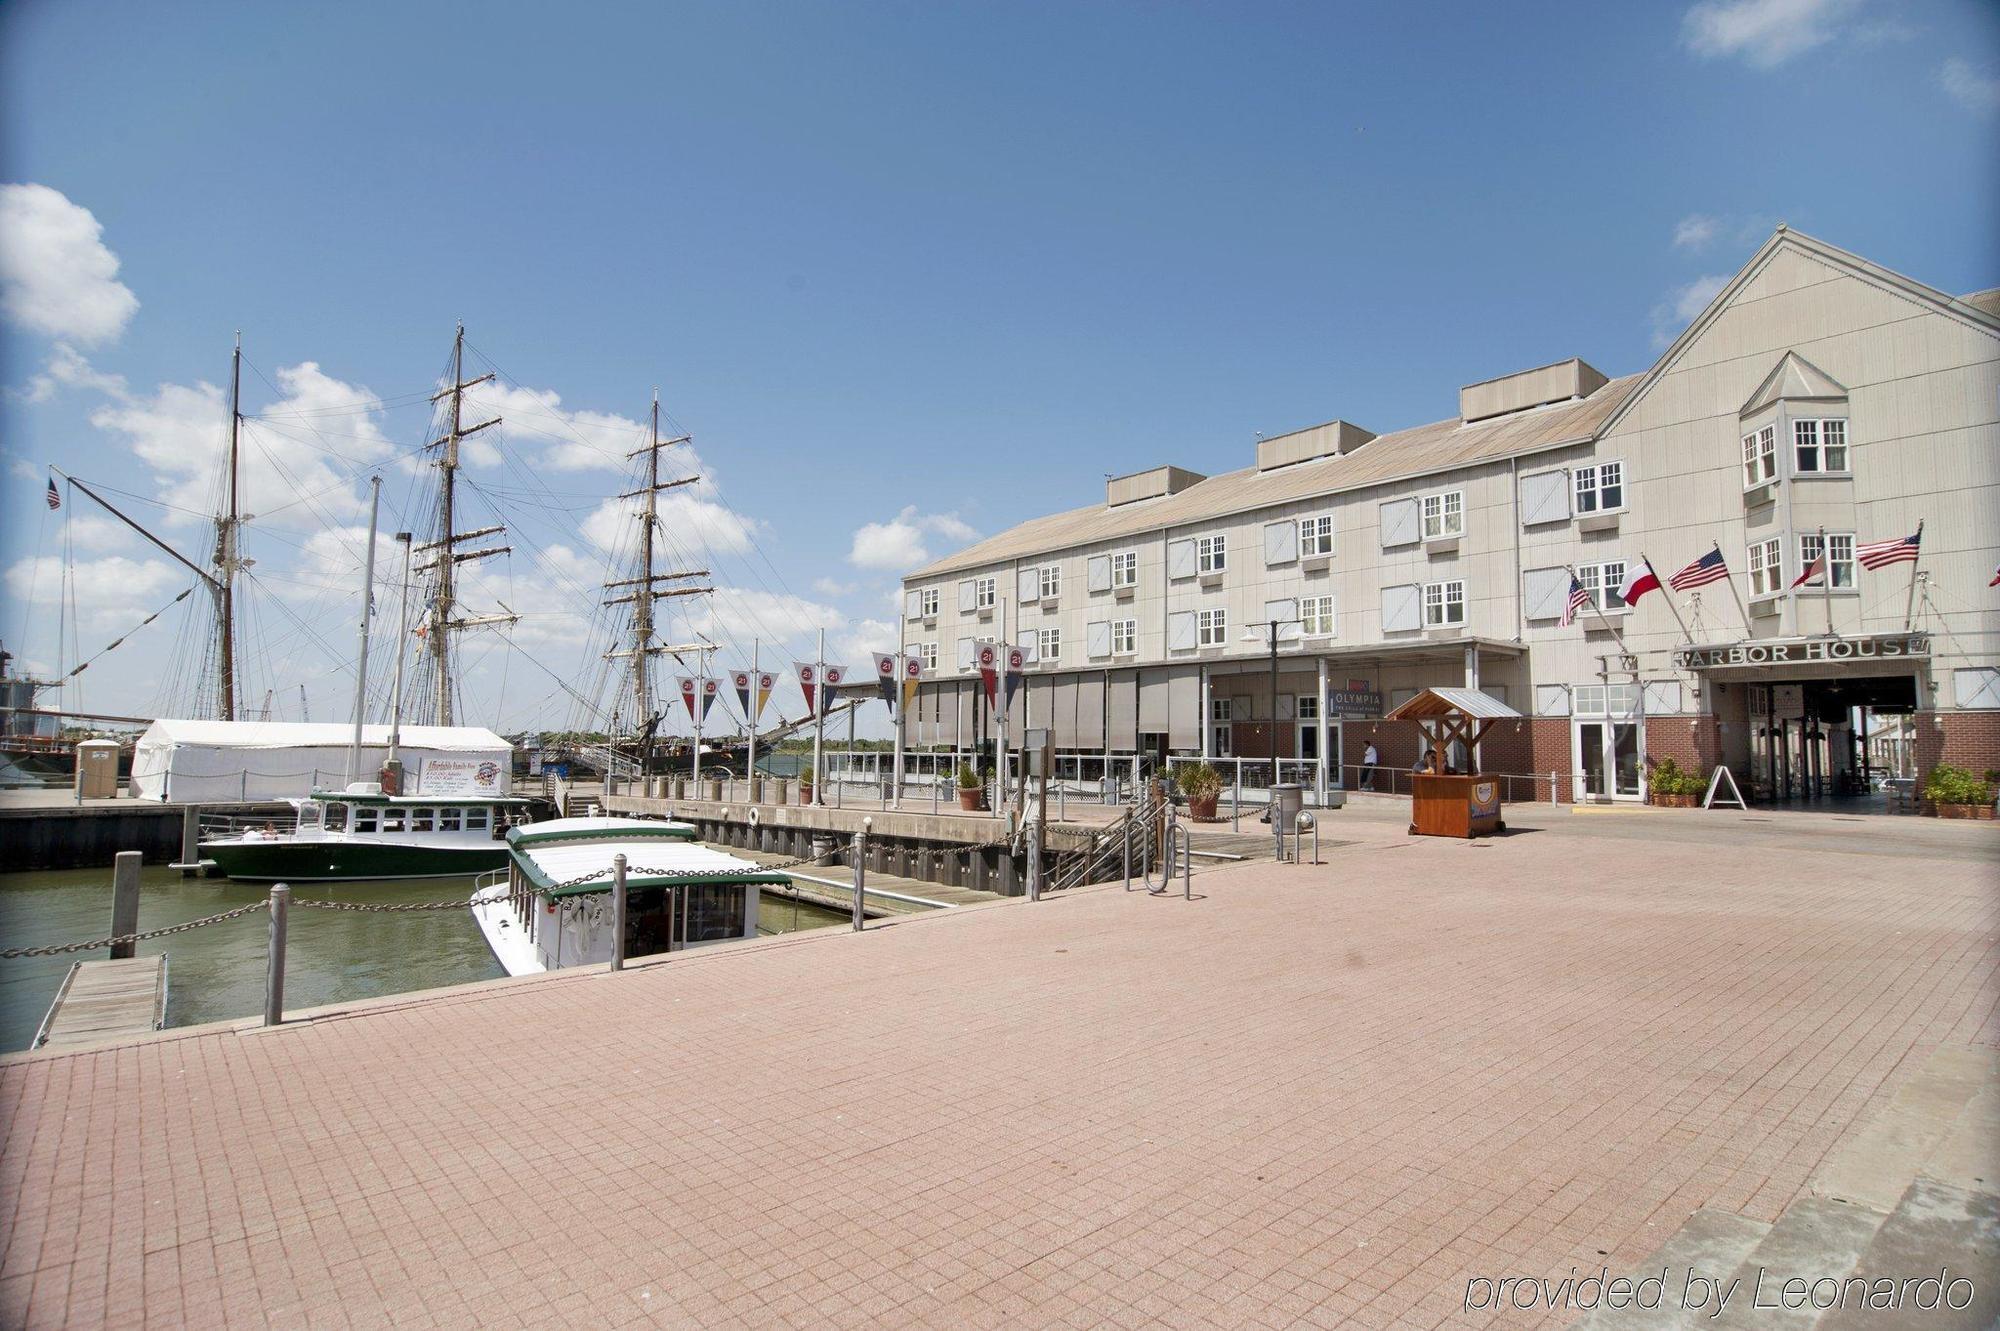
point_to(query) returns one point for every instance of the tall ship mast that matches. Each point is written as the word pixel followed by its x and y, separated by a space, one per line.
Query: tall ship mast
pixel 646 588
pixel 443 619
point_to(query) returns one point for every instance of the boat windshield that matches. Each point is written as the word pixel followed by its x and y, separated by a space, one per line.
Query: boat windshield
pixel 311 812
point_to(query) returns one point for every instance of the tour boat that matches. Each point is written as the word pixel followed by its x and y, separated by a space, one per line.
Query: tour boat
pixel 357 833
pixel 555 911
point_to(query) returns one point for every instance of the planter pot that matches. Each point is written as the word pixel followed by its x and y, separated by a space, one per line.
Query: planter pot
pixel 971 801
pixel 1202 810
pixel 1674 801
pixel 805 792
pixel 1975 811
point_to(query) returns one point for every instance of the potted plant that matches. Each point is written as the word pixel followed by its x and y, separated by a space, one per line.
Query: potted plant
pixel 806 784
pixel 1201 784
pixel 1957 793
pixel 1673 787
pixel 971 791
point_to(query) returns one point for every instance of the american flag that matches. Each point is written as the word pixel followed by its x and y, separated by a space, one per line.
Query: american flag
pixel 1709 568
pixel 1578 599
pixel 54 496
pixel 1881 554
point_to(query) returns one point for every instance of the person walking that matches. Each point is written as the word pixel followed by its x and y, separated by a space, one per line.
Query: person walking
pixel 1369 758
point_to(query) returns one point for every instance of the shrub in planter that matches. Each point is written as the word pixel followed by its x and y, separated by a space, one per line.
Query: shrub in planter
pixel 1957 793
pixel 971 791
pixel 1201 784
pixel 806 784
pixel 1674 788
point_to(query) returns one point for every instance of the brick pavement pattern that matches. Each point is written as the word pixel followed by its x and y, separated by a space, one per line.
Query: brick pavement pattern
pixel 1314 1095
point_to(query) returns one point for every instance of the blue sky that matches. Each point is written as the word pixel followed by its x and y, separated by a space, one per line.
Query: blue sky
pixel 908 272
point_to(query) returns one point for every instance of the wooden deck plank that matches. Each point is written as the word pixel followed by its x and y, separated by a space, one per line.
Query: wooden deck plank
pixel 103 1000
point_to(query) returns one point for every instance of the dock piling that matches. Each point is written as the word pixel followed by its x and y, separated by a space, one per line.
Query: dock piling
pixel 274 964
pixel 618 912
pixel 190 840
pixel 125 901
pixel 860 871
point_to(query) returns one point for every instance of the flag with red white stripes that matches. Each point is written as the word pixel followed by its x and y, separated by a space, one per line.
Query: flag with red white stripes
pixel 54 496
pixel 1709 568
pixel 1579 597
pixel 1881 554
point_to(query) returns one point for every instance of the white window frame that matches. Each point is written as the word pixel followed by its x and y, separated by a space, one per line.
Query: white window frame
pixel 1051 581
pixel 1760 457
pixel 1448 508
pixel 1316 536
pixel 1305 707
pixel 1211 628
pixel 1839 564
pixel 927 603
pixel 1438 596
pixel 1317 616
pixel 985 593
pixel 1126 632
pixel 928 654
pixel 1765 561
pixel 1124 569
pixel 1211 553
pixel 1602 581
pixel 1221 736
pixel 1048 645
pixel 1817 448
pixel 1590 480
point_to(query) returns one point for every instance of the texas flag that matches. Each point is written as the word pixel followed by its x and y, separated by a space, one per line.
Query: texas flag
pixel 1639 579
pixel 1816 569
pixel 1996 577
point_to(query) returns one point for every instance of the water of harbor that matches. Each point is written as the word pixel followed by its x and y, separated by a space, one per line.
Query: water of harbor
pixel 217 973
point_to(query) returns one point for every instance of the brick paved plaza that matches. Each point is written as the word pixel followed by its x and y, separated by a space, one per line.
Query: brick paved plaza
pixel 1325 1095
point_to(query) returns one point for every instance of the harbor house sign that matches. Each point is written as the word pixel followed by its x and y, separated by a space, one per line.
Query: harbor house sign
pixel 1804 651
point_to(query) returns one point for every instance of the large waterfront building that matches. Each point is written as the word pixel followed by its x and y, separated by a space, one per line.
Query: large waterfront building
pixel 1820 402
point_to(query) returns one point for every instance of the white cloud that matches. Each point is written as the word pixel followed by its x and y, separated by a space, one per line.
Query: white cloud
pixel 109 593
pixel 1764 32
pixel 1696 231
pixel 833 587
pixel 900 544
pixel 56 275
pixel 181 433
pixel 1965 84
pixel 1683 304
pixel 67 368
pixel 691 529
pixel 561 440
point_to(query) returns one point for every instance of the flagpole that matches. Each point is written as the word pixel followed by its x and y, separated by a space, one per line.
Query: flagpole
pixel 1826 580
pixel 1609 627
pixel 700 699
pixel 1910 606
pixel 1741 609
pixel 750 706
pixel 901 704
pixel 819 719
pixel 1669 593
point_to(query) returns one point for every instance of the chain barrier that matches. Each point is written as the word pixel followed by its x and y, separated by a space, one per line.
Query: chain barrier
pixel 96 943
pixel 460 903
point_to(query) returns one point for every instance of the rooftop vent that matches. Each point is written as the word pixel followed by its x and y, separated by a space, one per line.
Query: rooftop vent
pixel 1149 484
pixel 1317 441
pixel 1561 382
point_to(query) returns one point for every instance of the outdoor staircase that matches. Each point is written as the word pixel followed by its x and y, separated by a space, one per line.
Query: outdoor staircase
pixel 1917 1189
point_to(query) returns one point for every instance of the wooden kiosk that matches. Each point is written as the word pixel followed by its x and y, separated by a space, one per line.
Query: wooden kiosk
pixel 1445 803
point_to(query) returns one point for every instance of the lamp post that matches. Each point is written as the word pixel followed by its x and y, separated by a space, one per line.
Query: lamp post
pixel 1270 628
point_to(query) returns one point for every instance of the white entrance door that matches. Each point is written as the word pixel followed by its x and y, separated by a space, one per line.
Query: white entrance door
pixel 1609 758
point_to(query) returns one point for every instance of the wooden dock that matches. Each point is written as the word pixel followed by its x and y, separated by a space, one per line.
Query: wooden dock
pixel 107 1000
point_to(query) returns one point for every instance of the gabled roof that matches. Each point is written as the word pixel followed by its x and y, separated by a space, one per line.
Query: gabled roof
pixel 1794 379
pixel 1398 455
pixel 1453 702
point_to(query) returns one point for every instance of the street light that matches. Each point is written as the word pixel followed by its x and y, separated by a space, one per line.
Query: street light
pixel 1276 630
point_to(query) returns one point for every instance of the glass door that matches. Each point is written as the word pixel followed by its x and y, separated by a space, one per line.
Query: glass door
pixel 1609 761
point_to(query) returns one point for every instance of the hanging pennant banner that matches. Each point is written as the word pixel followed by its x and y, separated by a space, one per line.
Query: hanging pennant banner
pixel 887 677
pixel 1017 659
pixel 740 681
pixel 766 681
pixel 808 681
pixel 710 690
pixel 687 693
pixel 913 670
pixel 987 656
pixel 829 678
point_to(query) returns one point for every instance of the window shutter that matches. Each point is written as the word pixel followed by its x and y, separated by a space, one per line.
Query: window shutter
pixel 913 605
pixel 1544 497
pixel 1281 542
pixel 1100 573
pixel 1031 650
pixel 1180 559
pixel 1401 524
pixel 1402 608
pixel 1546 592
pixel 965 653
pixel 965 597
pixel 1029 584
pixel 1180 631
pixel 1663 697
pixel 1280 611
pixel 1551 700
pixel 1097 638
pixel 1978 686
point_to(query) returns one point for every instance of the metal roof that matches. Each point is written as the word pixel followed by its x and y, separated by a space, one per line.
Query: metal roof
pixel 553 855
pixel 1399 455
pixel 1453 702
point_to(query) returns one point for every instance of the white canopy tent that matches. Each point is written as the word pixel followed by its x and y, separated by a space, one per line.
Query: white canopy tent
pixel 215 762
